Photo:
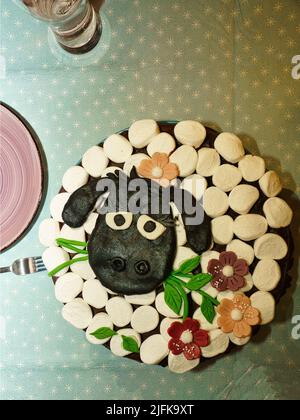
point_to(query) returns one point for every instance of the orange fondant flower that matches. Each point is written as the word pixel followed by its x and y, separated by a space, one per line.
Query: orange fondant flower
pixel 159 169
pixel 237 316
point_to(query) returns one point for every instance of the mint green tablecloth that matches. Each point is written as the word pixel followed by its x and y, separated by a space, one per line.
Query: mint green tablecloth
pixel 224 62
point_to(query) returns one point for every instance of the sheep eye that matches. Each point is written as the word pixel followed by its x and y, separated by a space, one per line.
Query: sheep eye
pixel 149 228
pixel 119 221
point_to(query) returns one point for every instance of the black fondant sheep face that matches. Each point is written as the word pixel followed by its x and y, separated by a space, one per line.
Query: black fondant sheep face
pixel 128 260
pixel 131 253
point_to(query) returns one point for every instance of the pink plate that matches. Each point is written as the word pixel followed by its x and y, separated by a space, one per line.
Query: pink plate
pixel 21 178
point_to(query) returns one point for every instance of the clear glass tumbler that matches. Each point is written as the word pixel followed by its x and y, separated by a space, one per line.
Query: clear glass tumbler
pixel 76 25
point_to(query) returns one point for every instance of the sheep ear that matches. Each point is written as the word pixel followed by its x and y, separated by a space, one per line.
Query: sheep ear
pixel 197 224
pixel 199 236
pixel 133 173
pixel 80 204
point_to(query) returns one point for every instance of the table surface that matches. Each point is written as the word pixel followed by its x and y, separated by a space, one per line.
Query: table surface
pixel 224 62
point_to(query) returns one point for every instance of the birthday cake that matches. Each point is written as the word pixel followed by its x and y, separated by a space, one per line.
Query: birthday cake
pixel 168 244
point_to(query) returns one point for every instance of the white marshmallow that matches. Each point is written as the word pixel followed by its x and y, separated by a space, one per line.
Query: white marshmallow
pixel 204 324
pixel 117 148
pixel 242 250
pixel 222 229
pixel 206 257
pixel 183 253
pixel 250 226
pixel 164 309
pixel 230 147
pixel 57 206
pixel 191 133
pixel 53 257
pixel 215 202
pixel 242 198
pixel 265 303
pixel 74 178
pixel 270 184
pixel 179 363
pixel 142 132
pixel 78 313
pixel 226 177
pixel 111 170
pixel 219 343
pixel 185 157
pixel 134 161
pixel 248 284
pixel 116 342
pixel 252 167
pixel 238 341
pixel 154 349
pixel 101 320
pixel 119 310
pixel 76 234
pixel 95 161
pixel 266 275
pixel 195 184
pixel 162 143
pixel 227 294
pixel 271 246
pixel 208 161
pixel 94 294
pixel 165 325
pixel 82 268
pixel 68 287
pixel 144 319
pixel 144 299
pixel 49 231
pixel 90 223
pixel 278 213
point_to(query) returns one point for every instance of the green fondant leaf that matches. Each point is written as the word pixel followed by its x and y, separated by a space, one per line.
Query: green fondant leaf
pixel 103 333
pixel 208 310
pixel 198 281
pixel 179 286
pixel 185 301
pixel 172 297
pixel 189 265
pixel 130 344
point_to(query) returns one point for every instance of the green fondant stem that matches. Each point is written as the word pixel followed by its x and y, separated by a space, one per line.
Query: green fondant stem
pixel 66 264
pixel 71 242
pixel 213 300
pixel 72 247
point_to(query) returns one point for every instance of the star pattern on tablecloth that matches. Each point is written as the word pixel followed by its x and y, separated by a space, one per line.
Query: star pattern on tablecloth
pixel 166 60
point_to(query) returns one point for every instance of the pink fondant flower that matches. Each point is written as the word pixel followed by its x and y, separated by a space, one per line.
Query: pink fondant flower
pixel 187 338
pixel 228 272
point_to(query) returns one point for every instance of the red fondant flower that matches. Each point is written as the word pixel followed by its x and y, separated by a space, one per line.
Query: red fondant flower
pixel 187 338
pixel 228 272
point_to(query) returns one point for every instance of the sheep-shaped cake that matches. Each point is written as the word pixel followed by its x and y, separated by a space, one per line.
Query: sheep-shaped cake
pixel 168 243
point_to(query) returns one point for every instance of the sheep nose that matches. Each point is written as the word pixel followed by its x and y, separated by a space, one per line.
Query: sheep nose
pixel 142 267
pixel 118 264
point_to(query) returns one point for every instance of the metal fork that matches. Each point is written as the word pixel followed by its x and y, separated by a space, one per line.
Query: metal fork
pixel 24 266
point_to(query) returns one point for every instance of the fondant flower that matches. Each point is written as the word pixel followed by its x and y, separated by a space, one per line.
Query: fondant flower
pixel 228 272
pixel 159 169
pixel 237 316
pixel 187 338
